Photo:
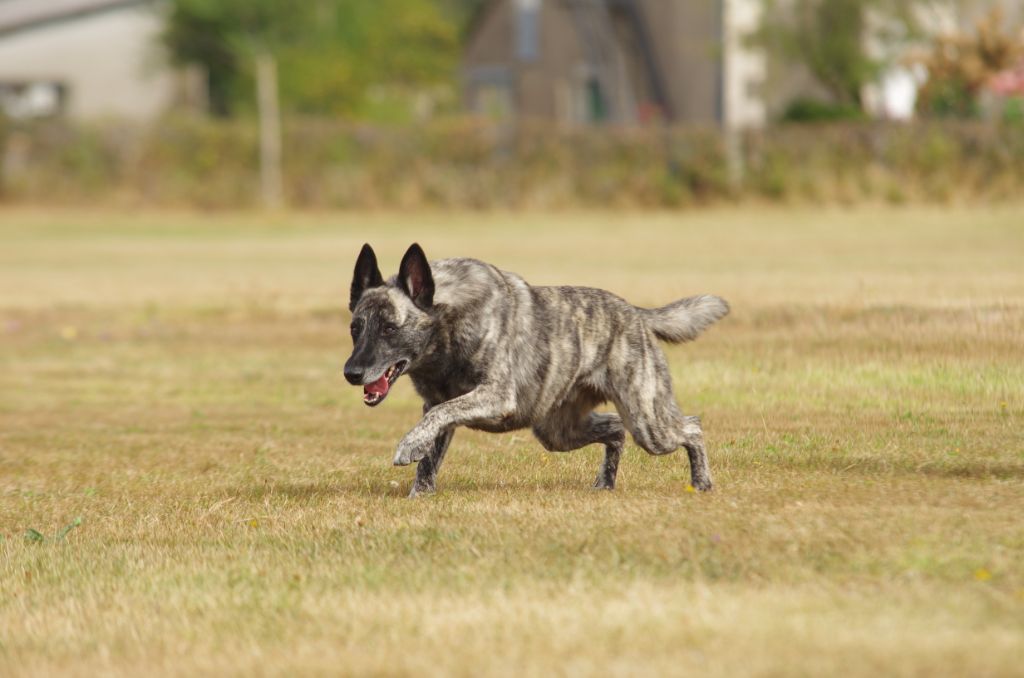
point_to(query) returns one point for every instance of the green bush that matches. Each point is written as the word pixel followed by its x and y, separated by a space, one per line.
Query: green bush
pixel 1013 111
pixel 813 110
pixel 462 163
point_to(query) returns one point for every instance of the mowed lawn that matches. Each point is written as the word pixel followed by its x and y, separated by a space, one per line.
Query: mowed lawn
pixel 188 486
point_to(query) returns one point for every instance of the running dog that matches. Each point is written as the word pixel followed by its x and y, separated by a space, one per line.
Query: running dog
pixel 486 350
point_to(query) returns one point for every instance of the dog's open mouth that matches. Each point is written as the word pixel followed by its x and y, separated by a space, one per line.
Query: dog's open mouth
pixel 375 393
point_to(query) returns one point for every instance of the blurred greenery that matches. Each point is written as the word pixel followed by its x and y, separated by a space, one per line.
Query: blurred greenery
pixel 396 61
pixel 843 45
pixel 962 65
pixel 814 110
pixel 463 163
pixel 350 58
pixel 1013 112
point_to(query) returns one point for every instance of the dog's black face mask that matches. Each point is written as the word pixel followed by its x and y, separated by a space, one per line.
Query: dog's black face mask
pixel 390 323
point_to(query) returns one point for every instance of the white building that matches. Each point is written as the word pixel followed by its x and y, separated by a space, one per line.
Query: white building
pixel 84 59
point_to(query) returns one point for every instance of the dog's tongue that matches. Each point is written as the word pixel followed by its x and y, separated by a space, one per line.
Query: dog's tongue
pixel 379 387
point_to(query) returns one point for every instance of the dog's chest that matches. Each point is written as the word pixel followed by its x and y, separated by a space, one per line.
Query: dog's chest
pixel 504 424
pixel 438 388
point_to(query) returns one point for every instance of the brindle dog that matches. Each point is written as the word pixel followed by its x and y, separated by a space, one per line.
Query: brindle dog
pixel 486 350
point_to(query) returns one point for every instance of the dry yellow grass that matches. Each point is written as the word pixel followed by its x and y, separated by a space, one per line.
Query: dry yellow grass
pixel 174 380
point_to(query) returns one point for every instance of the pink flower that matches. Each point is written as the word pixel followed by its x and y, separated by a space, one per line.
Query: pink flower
pixel 1008 83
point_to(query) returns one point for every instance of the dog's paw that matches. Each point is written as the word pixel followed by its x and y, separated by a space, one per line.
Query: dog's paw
pixel 411 450
pixel 703 485
pixel 419 490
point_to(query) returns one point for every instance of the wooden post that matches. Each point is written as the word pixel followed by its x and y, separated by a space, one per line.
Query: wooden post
pixel 271 183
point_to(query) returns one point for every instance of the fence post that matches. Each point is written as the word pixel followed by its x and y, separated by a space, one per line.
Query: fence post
pixel 271 183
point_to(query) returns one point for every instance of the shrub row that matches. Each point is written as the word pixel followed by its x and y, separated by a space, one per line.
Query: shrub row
pixel 469 164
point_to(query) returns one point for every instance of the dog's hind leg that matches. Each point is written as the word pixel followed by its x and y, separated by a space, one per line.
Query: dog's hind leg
pixel 612 452
pixel 649 410
pixel 693 441
pixel 666 431
pixel 428 467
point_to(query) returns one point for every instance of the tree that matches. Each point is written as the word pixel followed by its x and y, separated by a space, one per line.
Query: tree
pixel 843 44
pixel 226 35
pixel 462 11
pixel 223 35
pixel 962 65
pixel 326 55
pixel 331 54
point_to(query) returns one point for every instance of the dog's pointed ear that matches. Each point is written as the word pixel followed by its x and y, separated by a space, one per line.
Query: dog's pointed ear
pixel 415 279
pixel 366 275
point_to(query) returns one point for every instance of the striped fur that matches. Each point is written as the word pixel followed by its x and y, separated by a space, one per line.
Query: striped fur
pixel 488 351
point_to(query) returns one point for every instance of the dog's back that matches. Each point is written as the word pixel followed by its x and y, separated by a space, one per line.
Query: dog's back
pixel 552 341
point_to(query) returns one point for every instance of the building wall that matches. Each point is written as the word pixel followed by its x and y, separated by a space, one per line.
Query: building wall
pixel 109 62
pixel 549 83
pixel 687 40
pixel 541 88
pixel 712 74
pixel 490 74
pixel 491 41
pixel 709 74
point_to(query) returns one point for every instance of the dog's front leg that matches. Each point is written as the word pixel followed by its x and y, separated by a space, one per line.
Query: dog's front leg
pixel 480 403
pixel 427 468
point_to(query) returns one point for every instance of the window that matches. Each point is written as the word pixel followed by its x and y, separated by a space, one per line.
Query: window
pixel 528 29
pixel 28 100
pixel 597 106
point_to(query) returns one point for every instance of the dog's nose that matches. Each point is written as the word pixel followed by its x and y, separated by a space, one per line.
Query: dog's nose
pixel 354 375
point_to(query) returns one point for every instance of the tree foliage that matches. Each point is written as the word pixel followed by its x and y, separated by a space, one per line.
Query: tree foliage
pixel 962 64
pixel 842 44
pixel 330 53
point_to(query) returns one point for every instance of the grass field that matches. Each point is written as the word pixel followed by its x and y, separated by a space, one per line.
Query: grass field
pixel 209 496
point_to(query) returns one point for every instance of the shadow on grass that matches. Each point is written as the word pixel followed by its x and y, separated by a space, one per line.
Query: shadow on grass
pixel 312 490
pixel 981 471
pixel 938 468
pixel 376 488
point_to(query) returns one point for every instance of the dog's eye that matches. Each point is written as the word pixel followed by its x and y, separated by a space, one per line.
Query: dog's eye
pixel 390 329
pixel 356 328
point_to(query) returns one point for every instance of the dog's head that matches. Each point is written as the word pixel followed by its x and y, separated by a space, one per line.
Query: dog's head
pixel 390 321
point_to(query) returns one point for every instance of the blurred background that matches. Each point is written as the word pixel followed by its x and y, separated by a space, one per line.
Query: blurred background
pixel 188 486
pixel 508 103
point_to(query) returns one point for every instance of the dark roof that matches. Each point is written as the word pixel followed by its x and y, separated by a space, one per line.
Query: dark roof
pixel 21 15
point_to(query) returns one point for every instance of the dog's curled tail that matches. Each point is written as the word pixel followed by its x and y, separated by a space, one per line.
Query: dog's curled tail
pixel 685 319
